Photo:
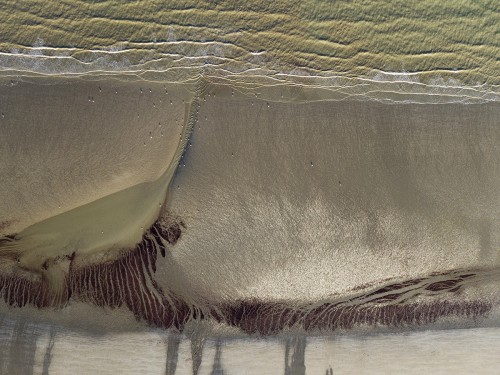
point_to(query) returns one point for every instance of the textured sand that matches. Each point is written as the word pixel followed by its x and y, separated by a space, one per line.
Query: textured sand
pixel 299 201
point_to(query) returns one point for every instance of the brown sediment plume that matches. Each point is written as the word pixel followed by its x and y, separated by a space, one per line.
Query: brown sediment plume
pixel 129 281
pixel 392 305
pixel 442 285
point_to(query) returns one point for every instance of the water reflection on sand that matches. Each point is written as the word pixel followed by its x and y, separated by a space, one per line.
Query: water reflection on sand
pixel 29 347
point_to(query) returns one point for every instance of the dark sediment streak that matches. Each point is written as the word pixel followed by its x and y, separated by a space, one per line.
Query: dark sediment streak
pixel 48 353
pixel 271 318
pixel 197 345
pixel 217 368
pixel 295 360
pixel 127 281
pixel 172 353
pixel 21 357
pixel 130 281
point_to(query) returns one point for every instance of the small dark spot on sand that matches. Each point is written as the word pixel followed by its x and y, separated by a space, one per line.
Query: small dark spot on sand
pixel 4 224
pixel 173 233
pixel 442 285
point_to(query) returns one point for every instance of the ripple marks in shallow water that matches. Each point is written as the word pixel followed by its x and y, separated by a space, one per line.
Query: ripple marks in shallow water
pixel 451 39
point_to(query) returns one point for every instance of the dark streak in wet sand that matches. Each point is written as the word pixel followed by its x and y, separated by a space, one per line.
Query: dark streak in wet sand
pixel 130 281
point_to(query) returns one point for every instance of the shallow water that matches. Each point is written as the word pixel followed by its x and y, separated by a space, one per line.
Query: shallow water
pixel 452 39
pixel 29 347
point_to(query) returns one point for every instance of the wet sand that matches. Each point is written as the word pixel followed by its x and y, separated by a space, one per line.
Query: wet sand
pixel 33 347
pixel 67 142
pixel 87 166
pixel 302 201
pixel 287 211
pixel 281 208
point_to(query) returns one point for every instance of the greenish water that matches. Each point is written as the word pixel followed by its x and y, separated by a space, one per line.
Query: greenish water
pixel 453 41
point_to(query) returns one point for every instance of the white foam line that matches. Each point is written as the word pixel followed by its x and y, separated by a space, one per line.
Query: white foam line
pixel 325 76
pixel 178 57
pixel 280 78
pixel 477 88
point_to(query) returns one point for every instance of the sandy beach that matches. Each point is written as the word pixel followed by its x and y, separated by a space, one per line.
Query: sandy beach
pixel 315 197
pixel 249 187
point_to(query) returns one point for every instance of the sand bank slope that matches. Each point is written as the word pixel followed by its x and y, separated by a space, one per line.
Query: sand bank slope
pixel 68 142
